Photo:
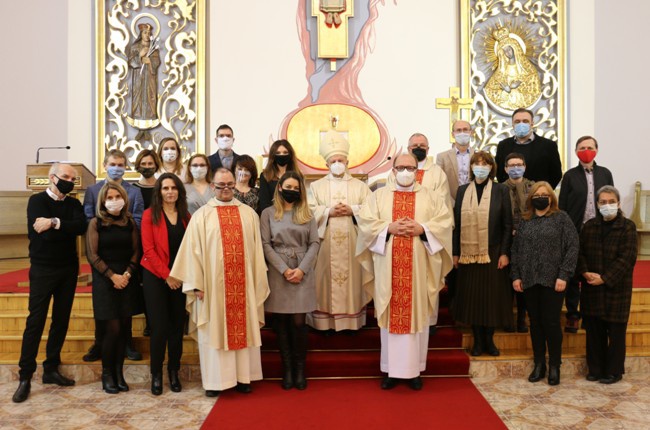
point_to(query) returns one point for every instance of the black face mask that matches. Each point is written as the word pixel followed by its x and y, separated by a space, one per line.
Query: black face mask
pixel 290 196
pixel 540 203
pixel 64 186
pixel 282 160
pixel 420 153
pixel 147 172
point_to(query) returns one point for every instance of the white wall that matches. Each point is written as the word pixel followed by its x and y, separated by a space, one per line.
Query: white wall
pixel 256 76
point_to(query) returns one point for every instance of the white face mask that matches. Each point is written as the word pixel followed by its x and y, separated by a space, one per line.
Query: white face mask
pixel 224 142
pixel 169 155
pixel 462 138
pixel 114 207
pixel 337 168
pixel 405 178
pixel 199 172
pixel 608 211
pixel 243 175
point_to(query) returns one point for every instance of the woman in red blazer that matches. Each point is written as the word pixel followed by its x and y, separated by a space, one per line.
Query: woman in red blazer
pixel 163 227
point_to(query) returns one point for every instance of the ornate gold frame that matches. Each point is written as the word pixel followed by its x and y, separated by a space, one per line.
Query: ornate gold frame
pixel 189 91
pixel 552 122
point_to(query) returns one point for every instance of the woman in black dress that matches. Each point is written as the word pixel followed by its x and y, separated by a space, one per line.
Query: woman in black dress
pixel 113 250
pixel 282 158
pixel 163 228
pixel 147 164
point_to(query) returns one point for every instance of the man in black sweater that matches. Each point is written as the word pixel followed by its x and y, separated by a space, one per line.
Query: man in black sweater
pixel 53 223
pixel 542 157
pixel 578 198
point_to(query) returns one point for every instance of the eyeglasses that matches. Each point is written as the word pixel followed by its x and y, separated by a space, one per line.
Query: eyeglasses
pixel 515 165
pixel 407 168
pixel 222 187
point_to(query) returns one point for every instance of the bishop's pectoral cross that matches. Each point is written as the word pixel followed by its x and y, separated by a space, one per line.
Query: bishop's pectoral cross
pixel 455 104
pixel 332 21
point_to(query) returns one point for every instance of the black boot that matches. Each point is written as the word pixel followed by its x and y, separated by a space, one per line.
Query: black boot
pixel 174 381
pixel 119 378
pixel 108 381
pixel 299 356
pixel 156 384
pixel 490 347
pixel 284 344
pixel 553 375
pixel 539 371
pixel 477 348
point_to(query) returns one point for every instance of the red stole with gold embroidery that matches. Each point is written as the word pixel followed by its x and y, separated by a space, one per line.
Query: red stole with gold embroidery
pixel 234 264
pixel 419 175
pixel 401 299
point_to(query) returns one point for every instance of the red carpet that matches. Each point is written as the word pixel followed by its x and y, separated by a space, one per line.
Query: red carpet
pixel 445 403
pixel 9 281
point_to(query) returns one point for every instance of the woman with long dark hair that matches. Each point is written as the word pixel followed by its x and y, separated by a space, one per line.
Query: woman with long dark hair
pixel 163 228
pixel 282 158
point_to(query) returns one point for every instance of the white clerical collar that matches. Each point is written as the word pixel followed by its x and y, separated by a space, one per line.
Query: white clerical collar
pixel 398 187
pixel 54 196
pixel 421 164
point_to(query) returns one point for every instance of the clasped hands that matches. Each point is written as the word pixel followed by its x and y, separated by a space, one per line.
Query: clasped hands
pixel 560 285
pixel 593 278
pixel 406 227
pixel 341 209
pixel 293 275
pixel 120 281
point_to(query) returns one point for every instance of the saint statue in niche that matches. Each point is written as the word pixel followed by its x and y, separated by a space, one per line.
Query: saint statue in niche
pixel 515 82
pixel 144 60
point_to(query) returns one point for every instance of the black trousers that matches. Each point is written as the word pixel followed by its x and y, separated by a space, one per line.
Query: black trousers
pixel 45 283
pixel 166 309
pixel 605 346
pixel 544 306
pixel 572 299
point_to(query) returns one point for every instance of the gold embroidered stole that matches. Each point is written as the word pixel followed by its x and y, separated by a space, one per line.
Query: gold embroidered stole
pixel 419 175
pixel 401 299
pixel 234 264
pixel 474 219
pixel 339 237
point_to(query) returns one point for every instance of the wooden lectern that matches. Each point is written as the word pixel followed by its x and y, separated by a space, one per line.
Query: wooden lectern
pixel 38 178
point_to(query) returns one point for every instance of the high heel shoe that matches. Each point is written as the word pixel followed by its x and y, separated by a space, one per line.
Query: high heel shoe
pixel 539 371
pixel 156 384
pixel 119 379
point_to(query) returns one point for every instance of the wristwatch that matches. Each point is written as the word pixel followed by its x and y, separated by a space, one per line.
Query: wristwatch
pixel 54 222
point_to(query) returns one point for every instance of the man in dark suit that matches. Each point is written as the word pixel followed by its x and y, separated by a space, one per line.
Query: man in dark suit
pixel 578 199
pixel 225 156
pixel 53 223
pixel 542 157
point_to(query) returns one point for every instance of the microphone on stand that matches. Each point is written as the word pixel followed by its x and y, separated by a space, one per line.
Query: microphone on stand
pixel 48 147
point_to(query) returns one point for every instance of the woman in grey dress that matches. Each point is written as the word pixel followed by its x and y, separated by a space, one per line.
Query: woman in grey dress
pixel 197 183
pixel 290 240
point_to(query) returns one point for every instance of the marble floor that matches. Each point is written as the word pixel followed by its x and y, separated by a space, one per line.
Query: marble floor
pixel 574 404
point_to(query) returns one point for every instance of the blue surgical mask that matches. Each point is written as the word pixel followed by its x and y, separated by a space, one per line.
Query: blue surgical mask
pixel 516 172
pixel 522 129
pixel 481 172
pixel 115 172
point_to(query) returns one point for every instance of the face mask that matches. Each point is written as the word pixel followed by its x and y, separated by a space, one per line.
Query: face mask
pixel 282 160
pixel 337 168
pixel 147 172
pixel 114 206
pixel 115 172
pixel 522 129
pixel 608 211
pixel 540 203
pixel 224 142
pixel 198 172
pixel 169 155
pixel 516 172
pixel 405 178
pixel 462 139
pixel 481 172
pixel 64 186
pixel 290 196
pixel 243 175
pixel 420 153
pixel 587 156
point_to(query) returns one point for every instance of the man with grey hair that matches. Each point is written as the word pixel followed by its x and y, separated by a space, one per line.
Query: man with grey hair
pixel 53 223
pixel 455 161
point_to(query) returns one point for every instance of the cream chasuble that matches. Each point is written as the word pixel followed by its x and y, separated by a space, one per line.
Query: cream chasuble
pixel 426 271
pixel 340 278
pixel 221 255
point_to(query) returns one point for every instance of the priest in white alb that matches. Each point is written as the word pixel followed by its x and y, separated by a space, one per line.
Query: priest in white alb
pixel 408 229
pixel 335 201
pixel 221 264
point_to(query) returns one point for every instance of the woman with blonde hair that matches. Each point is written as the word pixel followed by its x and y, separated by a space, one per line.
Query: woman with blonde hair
pixel 113 251
pixel 197 182
pixel 171 156
pixel 290 240
pixel 544 257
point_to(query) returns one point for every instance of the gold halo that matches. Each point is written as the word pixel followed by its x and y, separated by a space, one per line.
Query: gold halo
pixel 145 15
pixel 519 40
